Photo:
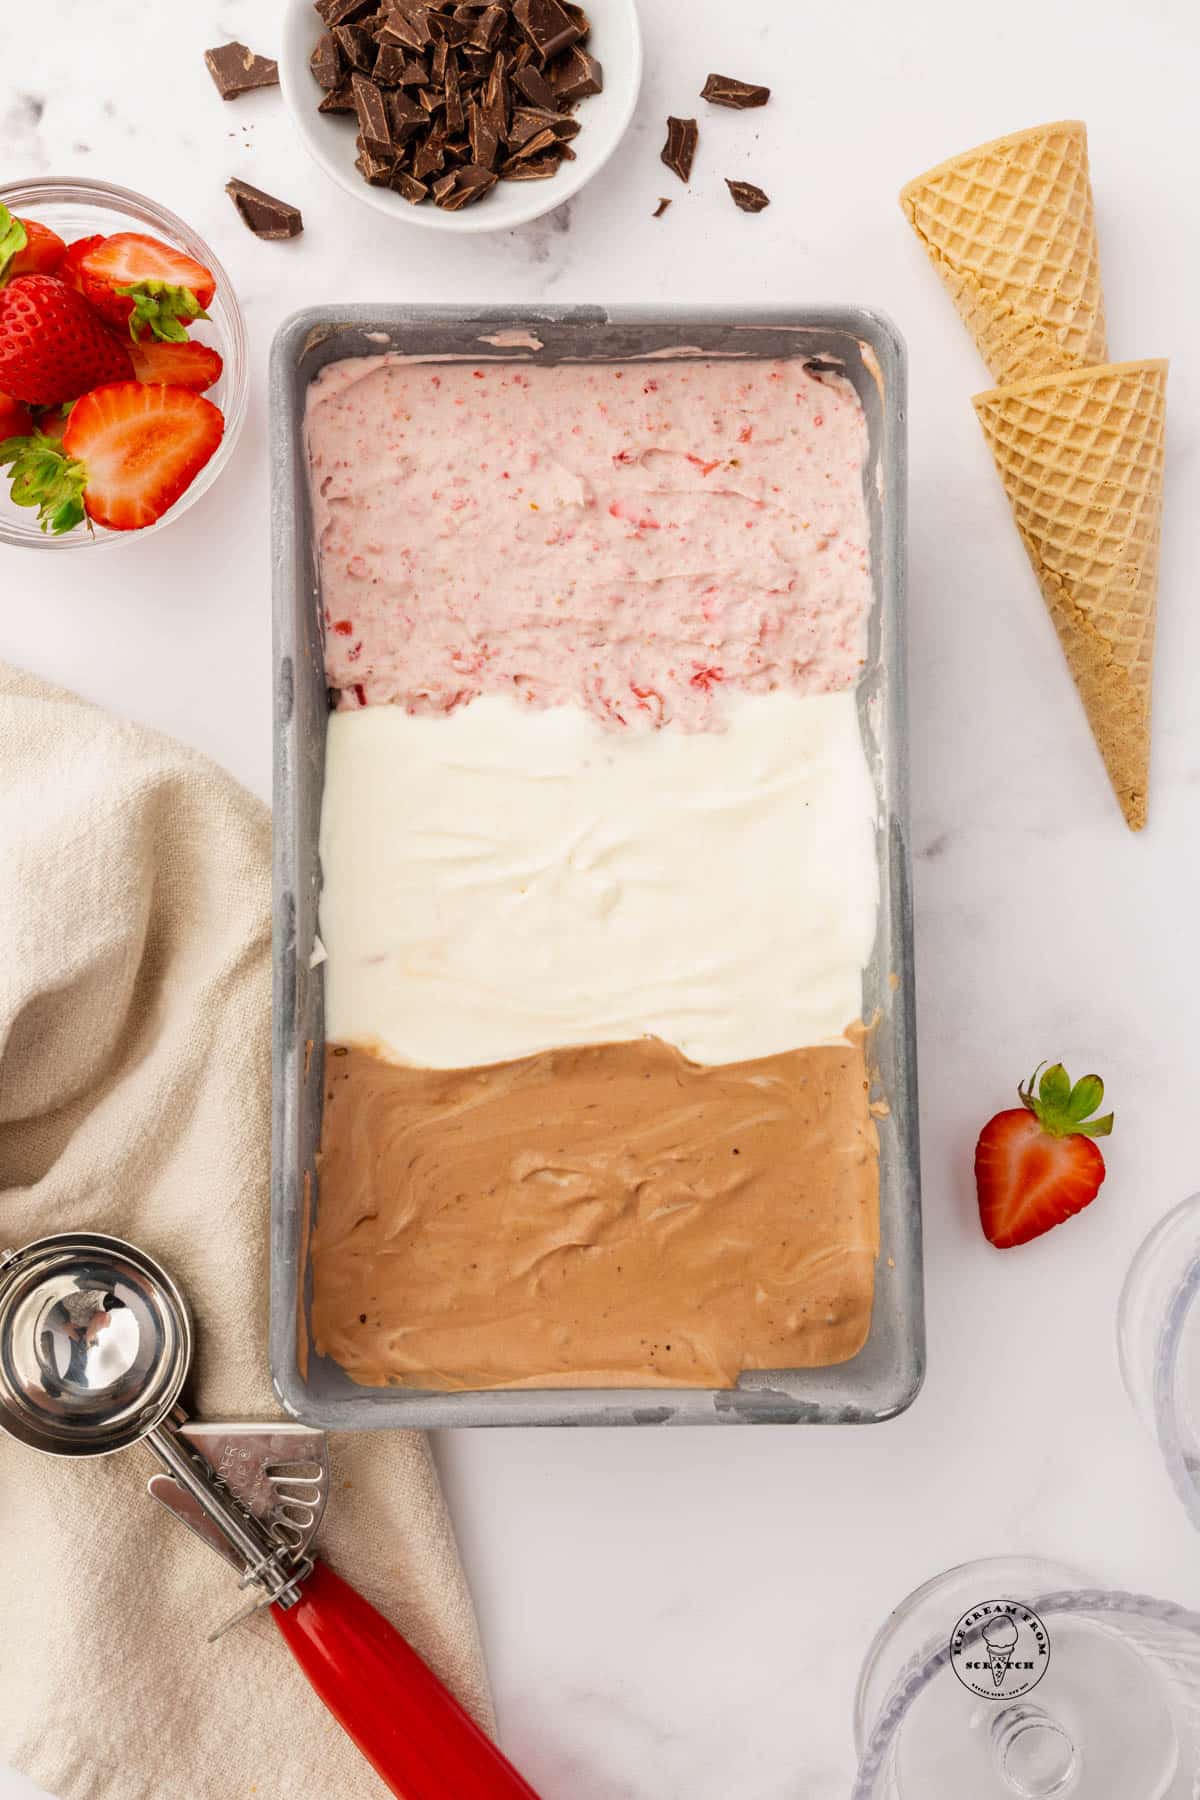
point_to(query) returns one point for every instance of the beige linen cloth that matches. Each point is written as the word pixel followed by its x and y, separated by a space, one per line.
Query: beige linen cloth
pixel 134 1098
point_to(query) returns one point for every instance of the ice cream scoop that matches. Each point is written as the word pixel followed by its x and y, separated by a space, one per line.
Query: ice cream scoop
pixel 95 1344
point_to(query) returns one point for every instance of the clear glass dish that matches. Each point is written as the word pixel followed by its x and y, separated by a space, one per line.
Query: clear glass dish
pixel 76 209
pixel 1158 1336
pixel 1117 1716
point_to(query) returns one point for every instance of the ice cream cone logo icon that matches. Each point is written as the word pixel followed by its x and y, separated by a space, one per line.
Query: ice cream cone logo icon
pixel 1000 1649
pixel 1000 1636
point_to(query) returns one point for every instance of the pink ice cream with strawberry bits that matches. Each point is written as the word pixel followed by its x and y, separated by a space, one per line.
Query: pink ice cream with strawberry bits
pixel 637 539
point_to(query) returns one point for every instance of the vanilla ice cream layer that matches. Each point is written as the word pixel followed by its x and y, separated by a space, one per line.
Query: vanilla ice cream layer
pixel 502 879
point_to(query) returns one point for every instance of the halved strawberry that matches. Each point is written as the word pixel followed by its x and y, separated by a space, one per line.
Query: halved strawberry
pixel 52 345
pixel 27 247
pixel 1038 1165
pixel 15 418
pixel 128 452
pixel 140 282
pixel 195 366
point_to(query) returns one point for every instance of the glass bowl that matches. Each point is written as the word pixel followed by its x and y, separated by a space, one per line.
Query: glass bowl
pixel 76 209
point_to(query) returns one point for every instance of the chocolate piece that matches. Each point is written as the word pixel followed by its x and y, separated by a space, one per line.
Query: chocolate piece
pixel 408 187
pixel 485 142
pixel 340 100
pixel 488 28
pixel 577 76
pixel 266 216
pixel 340 12
pixel 357 46
pixel 578 17
pixel 539 169
pixel 405 117
pixel 456 118
pixel 725 90
pixel 430 157
pixel 374 166
pixel 437 64
pixel 390 64
pixel 468 185
pixel 415 72
pixel 746 196
pixel 680 148
pixel 326 62
pixel 236 70
pixel 527 121
pixel 541 140
pixel 536 89
pixel 372 113
pixel 661 208
pixel 549 28
pixel 408 28
pixel 454 32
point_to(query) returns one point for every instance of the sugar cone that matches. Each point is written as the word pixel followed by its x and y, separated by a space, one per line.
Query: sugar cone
pixel 1081 458
pixel 1010 229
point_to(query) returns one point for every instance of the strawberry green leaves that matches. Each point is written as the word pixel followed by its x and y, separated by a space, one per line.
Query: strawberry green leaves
pixel 159 307
pixel 45 478
pixel 1063 1109
pixel 13 239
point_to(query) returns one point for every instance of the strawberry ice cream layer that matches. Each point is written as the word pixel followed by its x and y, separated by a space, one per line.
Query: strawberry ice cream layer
pixel 637 539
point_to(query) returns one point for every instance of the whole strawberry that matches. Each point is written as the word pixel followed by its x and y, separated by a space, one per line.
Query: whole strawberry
pixel 52 345
pixel 1039 1165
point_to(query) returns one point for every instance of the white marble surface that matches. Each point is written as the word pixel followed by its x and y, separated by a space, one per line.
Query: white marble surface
pixel 680 1616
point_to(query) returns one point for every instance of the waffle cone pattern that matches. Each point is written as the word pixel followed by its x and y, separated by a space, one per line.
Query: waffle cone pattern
pixel 1010 229
pixel 1081 459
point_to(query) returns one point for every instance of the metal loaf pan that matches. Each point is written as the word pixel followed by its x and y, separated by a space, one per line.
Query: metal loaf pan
pixel 885 1376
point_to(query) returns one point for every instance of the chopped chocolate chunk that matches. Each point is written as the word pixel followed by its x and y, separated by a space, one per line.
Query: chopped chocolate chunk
pixel 375 166
pixel 533 84
pixel 390 63
pixel 408 187
pixel 454 32
pixel 577 76
pixel 415 72
pixel 437 63
pixel 456 118
pixel 326 62
pixel 236 70
pixel 549 28
pixel 541 140
pixel 488 27
pixel 372 113
pixel 357 46
pixel 485 142
pixel 680 148
pixel 539 169
pixel 725 90
pixel 661 208
pixel 466 186
pixel 266 216
pixel 405 117
pixel 528 120
pixel 408 28
pixel 340 12
pixel 430 156
pixel 340 100
pixel 747 196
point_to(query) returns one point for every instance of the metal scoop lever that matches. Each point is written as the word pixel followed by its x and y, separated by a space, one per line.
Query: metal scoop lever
pixel 279 1473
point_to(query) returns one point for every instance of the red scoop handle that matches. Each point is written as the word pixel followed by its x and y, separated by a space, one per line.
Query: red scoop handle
pixel 411 1730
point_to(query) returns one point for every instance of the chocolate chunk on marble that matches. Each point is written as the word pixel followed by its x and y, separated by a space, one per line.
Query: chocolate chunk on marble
pixel 266 216
pixel 679 151
pixel 749 198
pixel 726 90
pixel 236 70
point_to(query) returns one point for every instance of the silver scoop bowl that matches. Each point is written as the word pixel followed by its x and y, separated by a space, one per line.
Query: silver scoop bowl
pixel 95 1344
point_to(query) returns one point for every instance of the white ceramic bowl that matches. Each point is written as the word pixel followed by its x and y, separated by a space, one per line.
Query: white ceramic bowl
pixel 615 41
